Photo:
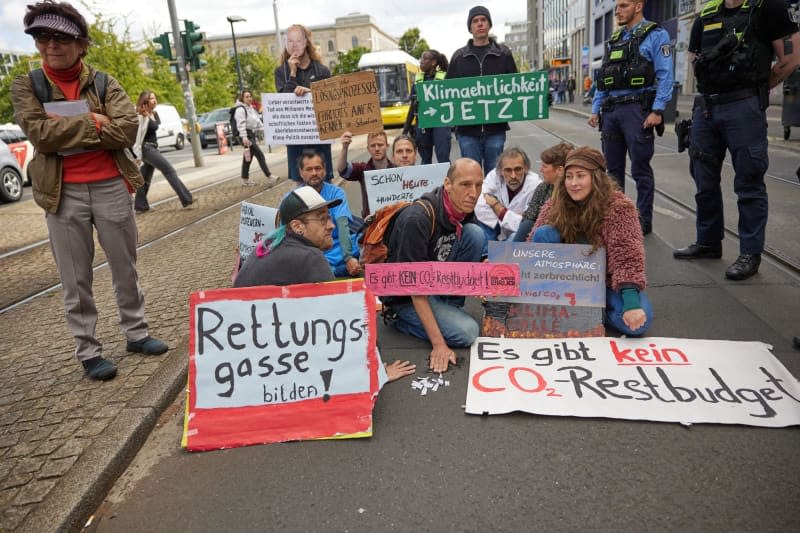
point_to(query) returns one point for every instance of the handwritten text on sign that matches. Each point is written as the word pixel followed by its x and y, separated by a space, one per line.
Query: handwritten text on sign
pixel 256 222
pixel 270 364
pixel 392 185
pixel 347 103
pixel 464 279
pixel 483 99
pixel 661 379
pixel 289 119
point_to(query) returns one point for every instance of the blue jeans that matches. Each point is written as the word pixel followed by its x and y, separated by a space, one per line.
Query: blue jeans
pixel 458 328
pixel 622 135
pixel 741 128
pixel 484 148
pixel 294 151
pixel 613 314
pixel 491 234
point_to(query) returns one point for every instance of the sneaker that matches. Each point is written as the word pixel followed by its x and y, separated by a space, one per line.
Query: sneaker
pixel 247 183
pixel 745 266
pixel 698 251
pixel 148 346
pixel 99 369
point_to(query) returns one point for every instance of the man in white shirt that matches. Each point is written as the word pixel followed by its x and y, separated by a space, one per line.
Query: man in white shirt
pixel 507 190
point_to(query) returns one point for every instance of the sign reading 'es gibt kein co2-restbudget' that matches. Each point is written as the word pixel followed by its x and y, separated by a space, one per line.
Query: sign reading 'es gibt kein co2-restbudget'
pixel 483 100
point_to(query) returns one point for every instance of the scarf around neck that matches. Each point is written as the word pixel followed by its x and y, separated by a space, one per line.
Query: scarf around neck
pixel 453 216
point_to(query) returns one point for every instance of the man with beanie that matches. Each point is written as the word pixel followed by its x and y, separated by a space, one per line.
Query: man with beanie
pixel 482 56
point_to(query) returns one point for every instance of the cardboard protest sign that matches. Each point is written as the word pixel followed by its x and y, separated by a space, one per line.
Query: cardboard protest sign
pixel 289 119
pixel 391 185
pixel 440 277
pixel 660 379
pixel 256 222
pixel 562 292
pixel 483 99
pixel 273 364
pixel 348 102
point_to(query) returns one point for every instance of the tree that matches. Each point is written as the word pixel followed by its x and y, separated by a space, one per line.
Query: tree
pixel 258 72
pixel 19 69
pixel 216 84
pixel 348 61
pixel 412 43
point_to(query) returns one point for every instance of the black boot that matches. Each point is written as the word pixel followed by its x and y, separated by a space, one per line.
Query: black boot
pixel 744 267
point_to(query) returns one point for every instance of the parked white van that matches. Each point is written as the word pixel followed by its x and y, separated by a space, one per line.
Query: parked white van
pixel 170 133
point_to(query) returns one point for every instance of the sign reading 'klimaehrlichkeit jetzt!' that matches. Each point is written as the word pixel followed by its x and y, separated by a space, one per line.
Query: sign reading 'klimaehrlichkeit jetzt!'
pixel 483 99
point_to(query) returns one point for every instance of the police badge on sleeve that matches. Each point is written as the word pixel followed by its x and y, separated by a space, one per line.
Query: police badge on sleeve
pixel 666 50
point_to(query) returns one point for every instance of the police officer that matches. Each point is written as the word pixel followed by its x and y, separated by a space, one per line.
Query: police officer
pixel 732 45
pixel 634 86
pixel 433 66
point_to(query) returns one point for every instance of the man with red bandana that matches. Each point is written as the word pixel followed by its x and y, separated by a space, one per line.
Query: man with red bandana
pixel 83 179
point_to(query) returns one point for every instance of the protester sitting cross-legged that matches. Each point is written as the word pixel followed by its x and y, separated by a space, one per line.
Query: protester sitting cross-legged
pixel 506 192
pixel 343 255
pixel 377 145
pixel 587 207
pixel 551 170
pixel 293 253
pixel 442 230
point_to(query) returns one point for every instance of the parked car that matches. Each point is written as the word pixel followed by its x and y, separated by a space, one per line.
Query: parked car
pixel 171 131
pixel 20 146
pixel 208 126
pixel 10 175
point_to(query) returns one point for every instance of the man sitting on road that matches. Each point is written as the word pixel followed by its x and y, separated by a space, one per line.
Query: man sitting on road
pixel 343 255
pixel 439 227
pixel 507 192
pixel 377 143
pixel 293 253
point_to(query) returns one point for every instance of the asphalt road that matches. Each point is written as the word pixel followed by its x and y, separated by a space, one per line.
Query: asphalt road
pixel 431 467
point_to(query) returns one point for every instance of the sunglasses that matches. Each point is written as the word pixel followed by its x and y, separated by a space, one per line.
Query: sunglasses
pixel 44 37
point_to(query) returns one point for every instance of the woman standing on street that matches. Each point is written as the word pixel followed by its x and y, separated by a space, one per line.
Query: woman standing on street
pixel 429 140
pixel 587 207
pixel 248 121
pixel 146 151
pixel 300 67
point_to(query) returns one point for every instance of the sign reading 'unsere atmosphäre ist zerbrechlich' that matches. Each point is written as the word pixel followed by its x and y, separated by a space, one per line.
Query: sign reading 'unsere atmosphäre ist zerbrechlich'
pixel 483 99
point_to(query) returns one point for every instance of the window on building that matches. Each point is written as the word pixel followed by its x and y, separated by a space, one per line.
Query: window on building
pixel 598 31
pixel 354 41
pixel 608 28
pixel 330 46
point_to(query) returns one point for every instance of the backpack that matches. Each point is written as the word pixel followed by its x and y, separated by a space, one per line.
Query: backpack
pixel 234 128
pixel 44 93
pixel 373 234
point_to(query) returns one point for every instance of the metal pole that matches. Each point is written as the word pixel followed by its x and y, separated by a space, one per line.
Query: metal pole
pixel 188 99
pixel 277 27
pixel 236 57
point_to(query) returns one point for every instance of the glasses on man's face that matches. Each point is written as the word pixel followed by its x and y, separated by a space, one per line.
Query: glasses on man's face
pixel 45 37
pixel 324 219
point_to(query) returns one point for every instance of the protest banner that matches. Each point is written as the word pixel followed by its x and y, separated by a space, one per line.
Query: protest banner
pixel 391 185
pixel 256 222
pixel 273 364
pixel 348 102
pixel 562 292
pixel 442 277
pixel 659 379
pixel 483 99
pixel 289 119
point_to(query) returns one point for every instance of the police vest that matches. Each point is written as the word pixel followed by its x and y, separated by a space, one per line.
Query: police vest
pixel 420 76
pixel 624 67
pixel 731 57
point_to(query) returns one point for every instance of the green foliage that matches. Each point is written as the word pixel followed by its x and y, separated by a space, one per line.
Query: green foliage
pixel 216 85
pixel 258 72
pixel 6 110
pixel 412 43
pixel 348 61
pixel 116 54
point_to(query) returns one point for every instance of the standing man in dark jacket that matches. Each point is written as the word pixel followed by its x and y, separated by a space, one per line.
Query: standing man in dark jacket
pixel 439 227
pixel 482 56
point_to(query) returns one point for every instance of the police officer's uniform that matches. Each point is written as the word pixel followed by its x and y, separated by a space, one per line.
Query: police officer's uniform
pixel 635 79
pixel 732 68
pixel 430 139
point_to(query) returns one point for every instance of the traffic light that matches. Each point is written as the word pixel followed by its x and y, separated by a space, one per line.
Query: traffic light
pixel 192 41
pixel 165 51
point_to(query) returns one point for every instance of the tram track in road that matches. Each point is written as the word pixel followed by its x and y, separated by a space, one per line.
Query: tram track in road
pixel 792 265
pixel 30 271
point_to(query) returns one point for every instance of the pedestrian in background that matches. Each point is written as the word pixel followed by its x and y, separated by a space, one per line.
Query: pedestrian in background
pixel 587 207
pixel 633 88
pixel 248 121
pixel 571 89
pixel 433 66
pixel 730 114
pixel 482 56
pixel 146 150
pixel 83 179
pixel 562 91
pixel 300 66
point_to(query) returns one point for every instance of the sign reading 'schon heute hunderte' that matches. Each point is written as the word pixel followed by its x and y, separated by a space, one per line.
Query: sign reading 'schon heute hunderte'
pixel 483 100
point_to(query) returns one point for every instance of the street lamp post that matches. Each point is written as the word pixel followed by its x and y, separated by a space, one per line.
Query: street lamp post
pixel 232 19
